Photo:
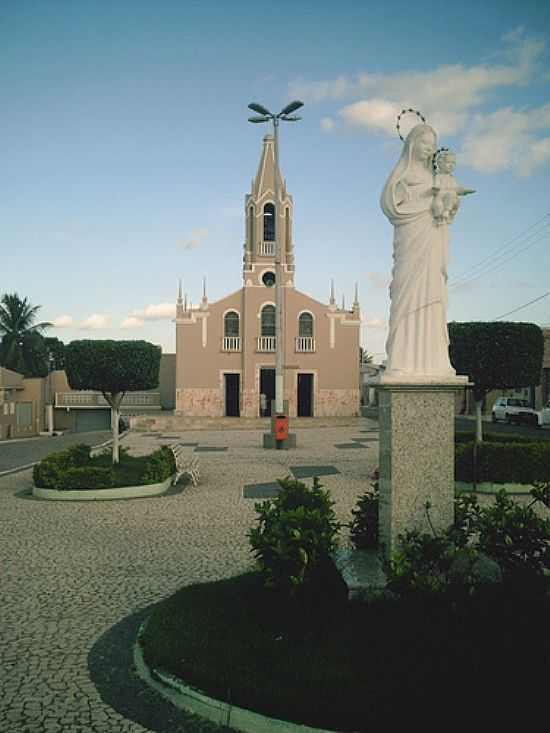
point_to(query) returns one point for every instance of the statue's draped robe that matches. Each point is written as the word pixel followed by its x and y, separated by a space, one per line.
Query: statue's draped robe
pixel 418 340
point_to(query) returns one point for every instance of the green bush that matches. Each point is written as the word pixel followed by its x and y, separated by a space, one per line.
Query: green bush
pixel 295 533
pixel 502 463
pixel 49 473
pixel 79 455
pixel 485 544
pixel 514 535
pixel 88 477
pixel 160 466
pixel 364 525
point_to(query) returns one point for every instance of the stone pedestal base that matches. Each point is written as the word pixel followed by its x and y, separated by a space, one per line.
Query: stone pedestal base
pixel 270 442
pixel 416 458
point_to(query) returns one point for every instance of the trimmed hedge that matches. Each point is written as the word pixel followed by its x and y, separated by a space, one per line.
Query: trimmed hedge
pixel 88 477
pixel 502 462
pixel 463 437
pixel 160 466
pixel 74 468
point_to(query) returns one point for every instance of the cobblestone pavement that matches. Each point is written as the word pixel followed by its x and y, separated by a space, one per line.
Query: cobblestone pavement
pixel 15 453
pixel 77 578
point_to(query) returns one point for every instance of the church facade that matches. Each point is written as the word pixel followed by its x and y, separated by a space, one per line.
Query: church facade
pixel 225 350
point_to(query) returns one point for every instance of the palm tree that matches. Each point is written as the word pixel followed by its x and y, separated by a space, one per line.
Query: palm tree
pixel 22 346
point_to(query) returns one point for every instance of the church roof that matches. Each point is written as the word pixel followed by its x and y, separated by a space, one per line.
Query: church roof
pixel 265 177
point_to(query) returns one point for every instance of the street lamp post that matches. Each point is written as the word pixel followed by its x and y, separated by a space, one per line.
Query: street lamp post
pixel 265 116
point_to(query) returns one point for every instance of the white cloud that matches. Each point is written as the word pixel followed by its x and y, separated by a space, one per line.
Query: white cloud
pixel 378 281
pixel 95 321
pixel 154 312
pixel 132 322
pixel 451 98
pixel 63 321
pixel 507 139
pixel 327 124
pixel 194 240
pixel 377 324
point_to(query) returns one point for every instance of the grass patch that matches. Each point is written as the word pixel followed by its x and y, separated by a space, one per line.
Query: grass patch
pixel 323 661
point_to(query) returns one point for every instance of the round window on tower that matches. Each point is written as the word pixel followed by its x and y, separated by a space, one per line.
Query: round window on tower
pixel 268 279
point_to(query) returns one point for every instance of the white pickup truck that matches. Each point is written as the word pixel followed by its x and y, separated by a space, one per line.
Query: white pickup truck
pixel 515 410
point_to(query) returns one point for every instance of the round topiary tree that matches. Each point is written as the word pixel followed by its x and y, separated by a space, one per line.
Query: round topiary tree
pixel 113 368
pixel 496 355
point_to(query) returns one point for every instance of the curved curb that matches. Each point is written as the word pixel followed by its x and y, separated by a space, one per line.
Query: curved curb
pixel 488 487
pixel 123 492
pixel 222 713
pixel 18 469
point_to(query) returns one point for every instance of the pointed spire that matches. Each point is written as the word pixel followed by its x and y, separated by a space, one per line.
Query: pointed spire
pixel 204 301
pixel 343 302
pixel 185 303
pixel 265 176
pixel 179 302
pixel 355 307
pixel 332 299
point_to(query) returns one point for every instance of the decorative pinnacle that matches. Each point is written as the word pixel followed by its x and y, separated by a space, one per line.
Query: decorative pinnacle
pixel 179 292
pixel 204 288
pixel 356 298
pixel 332 299
pixel 343 302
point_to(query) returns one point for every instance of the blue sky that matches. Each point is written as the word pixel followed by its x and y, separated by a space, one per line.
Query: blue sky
pixel 126 152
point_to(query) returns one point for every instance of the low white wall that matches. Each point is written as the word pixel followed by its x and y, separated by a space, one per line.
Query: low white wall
pixel 123 492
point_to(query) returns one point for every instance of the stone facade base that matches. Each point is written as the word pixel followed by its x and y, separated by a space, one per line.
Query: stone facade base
pixel 337 402
pixel 416 460
pixel 202 402
pixel 199 402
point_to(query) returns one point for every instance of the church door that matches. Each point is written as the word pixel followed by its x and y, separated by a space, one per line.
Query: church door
pixel 267 388
pixel 305 395
pixel 232 390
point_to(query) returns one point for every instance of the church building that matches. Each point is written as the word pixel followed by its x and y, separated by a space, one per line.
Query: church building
pixel 225 350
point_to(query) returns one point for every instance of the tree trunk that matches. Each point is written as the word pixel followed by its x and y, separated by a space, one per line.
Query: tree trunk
pixel 114 399
pixel 479 424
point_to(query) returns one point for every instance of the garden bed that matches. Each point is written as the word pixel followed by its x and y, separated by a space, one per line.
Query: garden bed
pixel 329 663
pixel 76 474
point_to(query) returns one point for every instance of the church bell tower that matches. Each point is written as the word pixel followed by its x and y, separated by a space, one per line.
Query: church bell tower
pixel 265 221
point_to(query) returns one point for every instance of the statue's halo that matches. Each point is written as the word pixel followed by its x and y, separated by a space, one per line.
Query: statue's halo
pixel 404 112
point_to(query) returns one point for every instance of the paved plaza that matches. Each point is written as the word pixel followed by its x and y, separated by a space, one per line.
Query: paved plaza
pixel 78 578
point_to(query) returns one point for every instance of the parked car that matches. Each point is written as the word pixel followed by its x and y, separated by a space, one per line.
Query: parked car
pixel 545 414
pixel 514 410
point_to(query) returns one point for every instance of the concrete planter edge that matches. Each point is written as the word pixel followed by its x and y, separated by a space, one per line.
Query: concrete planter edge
pixel 121 492
pixel 193 701
pixel 487 487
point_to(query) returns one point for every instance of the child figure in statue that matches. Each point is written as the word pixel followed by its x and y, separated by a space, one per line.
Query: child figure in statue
pixel 446 189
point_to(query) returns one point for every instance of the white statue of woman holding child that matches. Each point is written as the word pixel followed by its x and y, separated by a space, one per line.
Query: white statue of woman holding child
pixel 418 343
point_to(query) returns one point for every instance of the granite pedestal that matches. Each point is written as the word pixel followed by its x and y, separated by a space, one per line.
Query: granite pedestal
pixel 416 458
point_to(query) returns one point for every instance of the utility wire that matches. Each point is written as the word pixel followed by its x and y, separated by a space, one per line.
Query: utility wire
pixel 521 307
pixel 465 274
pixel 499 264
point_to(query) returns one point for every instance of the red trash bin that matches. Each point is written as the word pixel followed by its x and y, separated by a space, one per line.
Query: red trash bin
pixel 281 427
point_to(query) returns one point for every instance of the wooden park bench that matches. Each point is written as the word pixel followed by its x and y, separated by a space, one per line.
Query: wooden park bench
pixel 186 464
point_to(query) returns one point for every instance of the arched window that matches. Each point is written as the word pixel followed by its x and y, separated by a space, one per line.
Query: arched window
pixel 305 325
pixel 231 324
pixel 287 228
pixel 251 228
pixel 269 223
pixel 268 320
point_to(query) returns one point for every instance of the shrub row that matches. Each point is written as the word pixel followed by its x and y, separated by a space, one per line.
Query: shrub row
pixel 500 463
pixel 463 437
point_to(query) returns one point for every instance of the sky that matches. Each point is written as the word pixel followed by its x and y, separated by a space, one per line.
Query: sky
pixel 126 153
